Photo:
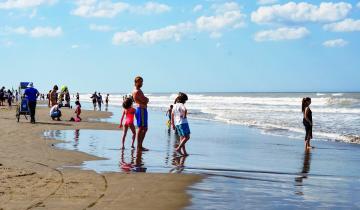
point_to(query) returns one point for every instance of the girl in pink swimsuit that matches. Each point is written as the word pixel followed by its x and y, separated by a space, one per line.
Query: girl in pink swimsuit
pixel 129 112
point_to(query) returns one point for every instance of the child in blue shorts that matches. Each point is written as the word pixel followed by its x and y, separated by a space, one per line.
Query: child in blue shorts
pixel 180 123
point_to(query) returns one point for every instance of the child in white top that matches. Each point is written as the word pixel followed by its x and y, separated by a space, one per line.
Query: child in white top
pixel 180 123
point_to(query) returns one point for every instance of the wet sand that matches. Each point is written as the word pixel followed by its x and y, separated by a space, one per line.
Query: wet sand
pixel 244 168
pixel 33 177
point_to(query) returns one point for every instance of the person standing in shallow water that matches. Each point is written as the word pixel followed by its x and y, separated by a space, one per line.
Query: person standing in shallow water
pixel 141 112
pixel 307 121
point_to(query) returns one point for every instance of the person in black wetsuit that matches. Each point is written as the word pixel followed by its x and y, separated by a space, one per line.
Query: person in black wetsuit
pixel 307 121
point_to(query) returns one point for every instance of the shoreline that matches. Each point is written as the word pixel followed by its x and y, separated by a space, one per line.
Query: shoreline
pixel 32 173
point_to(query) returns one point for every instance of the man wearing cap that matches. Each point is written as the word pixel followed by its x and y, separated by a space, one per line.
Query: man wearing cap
pixel 31 94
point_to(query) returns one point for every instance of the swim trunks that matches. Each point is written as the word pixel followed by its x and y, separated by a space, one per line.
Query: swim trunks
pixel 183 129
pixel 141 117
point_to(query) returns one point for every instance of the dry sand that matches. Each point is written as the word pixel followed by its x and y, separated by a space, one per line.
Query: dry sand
pixel 32 177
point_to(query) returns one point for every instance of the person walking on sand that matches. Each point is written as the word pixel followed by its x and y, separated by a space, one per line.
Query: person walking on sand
pixel 16 96
pixel 129 112
pixel 31 94
pixel 2 96
pixel 141 112
pixel 9 97
pixel 180 123
pixel 307 121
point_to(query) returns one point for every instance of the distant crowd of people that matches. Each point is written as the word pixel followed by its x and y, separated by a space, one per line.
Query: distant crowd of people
pixel 8 96
pixel 97 100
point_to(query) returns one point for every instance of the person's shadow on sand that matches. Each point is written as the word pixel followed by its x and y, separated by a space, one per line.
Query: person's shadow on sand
pixel 304 172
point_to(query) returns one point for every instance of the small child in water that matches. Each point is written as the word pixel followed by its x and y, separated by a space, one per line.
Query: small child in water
pixel 168 113
pixel 129 112
pixel 180 123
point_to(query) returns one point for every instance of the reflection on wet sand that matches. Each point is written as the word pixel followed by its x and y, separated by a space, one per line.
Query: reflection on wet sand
pixel 304 173
pixel 136 164
pixel 76 138
pixel 179 163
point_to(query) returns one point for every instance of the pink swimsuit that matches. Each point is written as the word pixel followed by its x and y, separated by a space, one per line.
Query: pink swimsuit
pixel 130 113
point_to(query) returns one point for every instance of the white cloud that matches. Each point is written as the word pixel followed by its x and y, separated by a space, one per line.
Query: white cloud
pixel 358 5
pixel 335 43
pixel 150 7
pixel 109 9
pixel 347 25
pixel 39 32
pixel 172 32
pixel 23 4
pixel 11 30
pixel 264 2
pixel 301 12
pixel 36 32
pixel 282 34
pixel 227 15
pixel 102 28
pixel 225 7
pixel 126 37
pixel 198 8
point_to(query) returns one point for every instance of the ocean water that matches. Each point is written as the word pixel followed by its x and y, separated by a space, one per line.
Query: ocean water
pixel 336 116
pixel 243 168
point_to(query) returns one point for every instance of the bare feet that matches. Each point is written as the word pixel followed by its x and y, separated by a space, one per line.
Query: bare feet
pixel 144 149
pixel 178 151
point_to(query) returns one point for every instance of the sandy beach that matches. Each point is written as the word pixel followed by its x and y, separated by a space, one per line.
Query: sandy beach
pixel 32 174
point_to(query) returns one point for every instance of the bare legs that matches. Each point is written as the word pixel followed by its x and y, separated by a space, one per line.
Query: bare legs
pixel 181 148
pixel 307 144
pixel 132 128
pixel 140 138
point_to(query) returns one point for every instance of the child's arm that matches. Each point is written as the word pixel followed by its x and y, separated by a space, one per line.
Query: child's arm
pixel 122 118
pixel 185 113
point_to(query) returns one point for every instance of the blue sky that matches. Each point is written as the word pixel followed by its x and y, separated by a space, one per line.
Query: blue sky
pixel 197 46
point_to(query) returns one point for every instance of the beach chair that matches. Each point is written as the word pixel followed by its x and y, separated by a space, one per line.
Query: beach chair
pixel 23 105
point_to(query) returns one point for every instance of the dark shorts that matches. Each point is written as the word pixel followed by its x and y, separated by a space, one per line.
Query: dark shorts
pixel 308 130
pixel 141 117
pixel 183 129
pixel 56 114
